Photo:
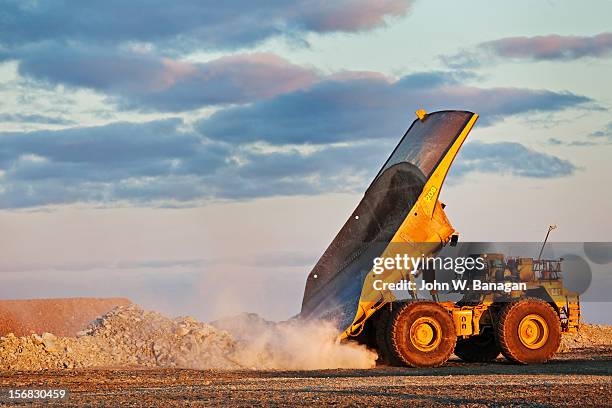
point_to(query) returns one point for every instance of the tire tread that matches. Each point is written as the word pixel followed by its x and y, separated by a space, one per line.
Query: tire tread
pixel 393 328
pixel 501 335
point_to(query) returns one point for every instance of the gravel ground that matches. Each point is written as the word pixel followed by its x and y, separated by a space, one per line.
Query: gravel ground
pixel 581 378
pixel 134 357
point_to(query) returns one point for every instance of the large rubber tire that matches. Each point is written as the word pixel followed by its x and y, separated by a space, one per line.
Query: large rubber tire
pixel 385 353
pixel 422 334
pixel 528 331
pixel 481 348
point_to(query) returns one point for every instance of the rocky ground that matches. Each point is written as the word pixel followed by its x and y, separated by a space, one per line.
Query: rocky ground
pixel 131 337
pixel 578 379
pixel 590 336
pixel 131 356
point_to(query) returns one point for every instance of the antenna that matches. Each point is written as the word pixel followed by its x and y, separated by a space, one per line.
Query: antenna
pixel 550 228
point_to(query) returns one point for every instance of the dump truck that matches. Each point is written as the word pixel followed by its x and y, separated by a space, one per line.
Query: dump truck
pixel 401 215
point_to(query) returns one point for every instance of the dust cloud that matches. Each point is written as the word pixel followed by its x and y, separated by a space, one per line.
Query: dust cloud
pixel 293 345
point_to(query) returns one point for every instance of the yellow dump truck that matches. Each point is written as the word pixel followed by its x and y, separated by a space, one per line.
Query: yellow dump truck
pixel 400 215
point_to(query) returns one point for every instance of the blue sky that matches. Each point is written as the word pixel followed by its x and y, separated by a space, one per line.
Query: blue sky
pixel 130 122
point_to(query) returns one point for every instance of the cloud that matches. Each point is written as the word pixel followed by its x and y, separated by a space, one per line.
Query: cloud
pixel 95 164
pixel 141 80
pixel 344 168
pixel 144 81
pixel 604 134
pixel 89 266
pixel 372 107
pixel 580 143
pixel 597 138
pixel 539 48
pixel 509 158
pixel 188 25
pixel 158 163
pixel 551 47
pixel 34 118
pixel 346 15
pixel 131 51
pixel 102 146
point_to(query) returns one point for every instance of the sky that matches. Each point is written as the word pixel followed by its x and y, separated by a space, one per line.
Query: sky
pixel 197 157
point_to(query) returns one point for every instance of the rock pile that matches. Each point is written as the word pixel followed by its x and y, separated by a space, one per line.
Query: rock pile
pixel 127 336
pixel 593 336
pixel 131 337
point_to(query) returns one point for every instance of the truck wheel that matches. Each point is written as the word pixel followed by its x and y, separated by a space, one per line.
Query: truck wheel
pixel 477 349
pixel 528 331
pixel 386 355
pixel 422 334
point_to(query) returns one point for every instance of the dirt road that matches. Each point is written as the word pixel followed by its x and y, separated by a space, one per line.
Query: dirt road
pixel 580 379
